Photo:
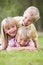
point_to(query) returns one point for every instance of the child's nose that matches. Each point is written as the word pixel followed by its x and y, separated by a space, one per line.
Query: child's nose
pixel 25 21
pixel 11 29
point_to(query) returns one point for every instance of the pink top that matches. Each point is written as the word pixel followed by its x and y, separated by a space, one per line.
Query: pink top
pixel 13 43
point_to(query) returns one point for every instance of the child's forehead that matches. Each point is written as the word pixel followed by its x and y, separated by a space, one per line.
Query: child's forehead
pixel 30 10
pixel 23 38
pixel 28 13
pixel 8 24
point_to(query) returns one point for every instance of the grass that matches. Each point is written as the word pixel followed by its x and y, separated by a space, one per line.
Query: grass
pixel 22 57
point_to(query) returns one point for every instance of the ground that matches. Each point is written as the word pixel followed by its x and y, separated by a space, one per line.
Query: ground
pixel 22 57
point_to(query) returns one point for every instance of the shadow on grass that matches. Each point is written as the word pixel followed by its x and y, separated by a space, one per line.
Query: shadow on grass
pixel 41 49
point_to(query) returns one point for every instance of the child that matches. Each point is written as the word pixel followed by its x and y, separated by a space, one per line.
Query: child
pixel 24 39
pixel 30 15
pixel 8 32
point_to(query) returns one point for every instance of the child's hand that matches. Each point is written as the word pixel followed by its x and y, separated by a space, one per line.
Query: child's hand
pixel 30 48
pixel 1 48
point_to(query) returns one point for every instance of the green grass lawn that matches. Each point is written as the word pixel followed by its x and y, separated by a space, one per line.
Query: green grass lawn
pixel 22 57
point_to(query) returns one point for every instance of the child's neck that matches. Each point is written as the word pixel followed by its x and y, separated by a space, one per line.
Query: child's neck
pixel 9 37
pixel 27 25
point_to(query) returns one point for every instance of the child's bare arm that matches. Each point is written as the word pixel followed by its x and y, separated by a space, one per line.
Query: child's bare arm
pixel 36 43
pixel 35 36
pixel 21 48
pixel 15 48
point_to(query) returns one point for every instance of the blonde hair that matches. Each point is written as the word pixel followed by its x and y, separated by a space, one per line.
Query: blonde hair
pixel 33 11
pixel 22 33
pixel 19 22
pixel 4 36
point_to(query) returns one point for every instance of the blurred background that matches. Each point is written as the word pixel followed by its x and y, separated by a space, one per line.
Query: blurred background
pixel 17 7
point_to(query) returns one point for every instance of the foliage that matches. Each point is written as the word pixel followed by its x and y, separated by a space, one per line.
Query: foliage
pixel 17 7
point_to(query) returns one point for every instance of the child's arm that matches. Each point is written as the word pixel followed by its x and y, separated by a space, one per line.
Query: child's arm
pixel 15 48
pixel 35 36
pixel 18 20
pixel 29 48
pixel 2 46
pixel 21 48
pixel 36 43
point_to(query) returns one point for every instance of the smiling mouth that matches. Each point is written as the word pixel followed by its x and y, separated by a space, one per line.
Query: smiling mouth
pixel 13 32
pixel 23 45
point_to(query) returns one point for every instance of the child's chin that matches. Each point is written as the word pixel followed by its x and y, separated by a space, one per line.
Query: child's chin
pixel 12 35
pixel 23 44
pixel 25 24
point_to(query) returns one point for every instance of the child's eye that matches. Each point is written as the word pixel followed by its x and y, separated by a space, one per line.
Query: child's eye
pixel 13 26
pixel 31 14
pixel 25 40
pixel 25 17
pixel 20 39
pixel 8 28
pixel 28 20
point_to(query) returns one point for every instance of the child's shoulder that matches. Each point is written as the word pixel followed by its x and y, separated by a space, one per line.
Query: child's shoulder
pixel 18 18
pixel 31 26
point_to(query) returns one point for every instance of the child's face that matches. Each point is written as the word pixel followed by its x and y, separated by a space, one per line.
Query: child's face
pixel 21 41
pixel 11 29
pixel 27 19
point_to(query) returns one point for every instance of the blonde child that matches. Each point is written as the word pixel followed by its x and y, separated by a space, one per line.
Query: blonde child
pixel 30 15
pixel 24 39
pixel 8 32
